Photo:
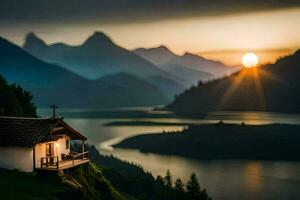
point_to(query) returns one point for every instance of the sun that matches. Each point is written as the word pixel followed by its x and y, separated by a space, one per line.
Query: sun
pixel 250 60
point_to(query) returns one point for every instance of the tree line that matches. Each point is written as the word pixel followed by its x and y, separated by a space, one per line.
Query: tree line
pixel 15 101
pixel 192 187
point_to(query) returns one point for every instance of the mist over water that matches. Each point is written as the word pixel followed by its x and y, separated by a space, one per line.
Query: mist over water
pixel 230 179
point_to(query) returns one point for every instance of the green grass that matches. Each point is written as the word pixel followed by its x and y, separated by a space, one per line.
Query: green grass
pixel 95 185
pixel 49 185
pixel 18 185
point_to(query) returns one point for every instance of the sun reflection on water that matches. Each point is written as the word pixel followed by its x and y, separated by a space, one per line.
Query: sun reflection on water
pixel 252 176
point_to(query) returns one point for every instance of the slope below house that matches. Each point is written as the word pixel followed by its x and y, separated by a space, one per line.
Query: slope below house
pixel 274 88
pixel 132 179
pixel 53 84
pixel 82 183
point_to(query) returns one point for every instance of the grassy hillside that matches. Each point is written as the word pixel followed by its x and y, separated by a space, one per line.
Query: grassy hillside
pixel 86 182
pixel 93 184
pixel 27 186
pixel 114 180
pixel 133 181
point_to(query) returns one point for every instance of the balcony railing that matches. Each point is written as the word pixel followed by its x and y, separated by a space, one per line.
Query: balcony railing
pixel 50 161
pixel 70 160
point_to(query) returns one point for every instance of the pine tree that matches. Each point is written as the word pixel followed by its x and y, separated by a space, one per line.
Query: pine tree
pixel 179 185
pixel 160 179
pixel 14 101
pixel 25 100
pixel 204 195
pixel 193 187
pixel 168 179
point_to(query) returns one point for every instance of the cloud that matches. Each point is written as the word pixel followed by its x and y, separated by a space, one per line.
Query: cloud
pixel 120 11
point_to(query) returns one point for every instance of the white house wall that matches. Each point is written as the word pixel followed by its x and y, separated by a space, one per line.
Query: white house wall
pixel 20 158
pixel 40 151
pixel 60 148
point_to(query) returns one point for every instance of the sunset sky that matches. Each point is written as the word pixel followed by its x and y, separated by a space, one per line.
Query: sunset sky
pixel 217 30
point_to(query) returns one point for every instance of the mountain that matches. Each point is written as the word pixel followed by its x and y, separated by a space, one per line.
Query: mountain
pixel 274 88
pixel 51 83
pixel 165 59
pixel 18 66
pixel 187 76
pixel 167 86
pixel 98 56
pixel 158 56
pixel 148 93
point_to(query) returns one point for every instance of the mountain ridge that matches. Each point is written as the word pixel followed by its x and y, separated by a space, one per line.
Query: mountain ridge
pixel 97 56
pixel 273 88
pixel 188 60
pixel 51 83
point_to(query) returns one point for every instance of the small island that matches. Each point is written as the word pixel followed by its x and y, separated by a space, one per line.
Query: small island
pixel 223 141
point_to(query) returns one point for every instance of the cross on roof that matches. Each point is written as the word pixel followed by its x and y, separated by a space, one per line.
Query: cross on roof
pixel 53 106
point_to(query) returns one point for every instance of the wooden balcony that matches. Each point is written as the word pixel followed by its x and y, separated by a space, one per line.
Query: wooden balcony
pixel 69 161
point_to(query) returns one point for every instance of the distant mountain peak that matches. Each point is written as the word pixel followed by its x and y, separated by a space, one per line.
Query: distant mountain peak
pixel 97 38
pixel 163 48
pixel 189 54
pixel 161 53
pixel 32 40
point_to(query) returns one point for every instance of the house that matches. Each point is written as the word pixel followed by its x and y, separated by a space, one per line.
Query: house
pixel 29 144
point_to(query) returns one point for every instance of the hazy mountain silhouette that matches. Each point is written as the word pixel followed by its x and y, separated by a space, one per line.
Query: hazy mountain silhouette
pixel 53 84
pixel 166 85
pixel 274 87
pixel 133 86
pixel 98 56
pixel 159 56
pixel 203 68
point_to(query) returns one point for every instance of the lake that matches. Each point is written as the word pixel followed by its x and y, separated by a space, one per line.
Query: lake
pixel 231 179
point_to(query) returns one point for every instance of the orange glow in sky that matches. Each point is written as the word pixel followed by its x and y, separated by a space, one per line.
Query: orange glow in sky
pixel 268 34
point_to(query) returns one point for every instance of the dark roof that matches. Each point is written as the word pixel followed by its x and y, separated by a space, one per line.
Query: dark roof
pixel 18 131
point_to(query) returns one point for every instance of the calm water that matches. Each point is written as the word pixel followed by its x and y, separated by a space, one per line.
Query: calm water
pixel 234 180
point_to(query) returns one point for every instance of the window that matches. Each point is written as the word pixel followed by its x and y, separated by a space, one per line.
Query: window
pixel 67 144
